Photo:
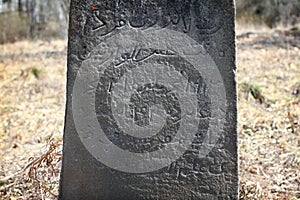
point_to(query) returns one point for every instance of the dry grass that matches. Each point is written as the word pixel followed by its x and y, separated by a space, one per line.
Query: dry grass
pixel 32 93
pixel 269 132
pixel 32 85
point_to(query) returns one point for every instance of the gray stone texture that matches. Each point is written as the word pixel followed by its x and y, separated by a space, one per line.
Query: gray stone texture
pixel 118 126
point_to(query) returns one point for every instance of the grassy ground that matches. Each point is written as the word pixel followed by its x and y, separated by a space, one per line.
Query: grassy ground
pixel 32 85
pixel 32 95
pixel 269 133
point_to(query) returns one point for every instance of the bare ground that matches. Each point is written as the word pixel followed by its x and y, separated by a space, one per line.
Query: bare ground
pixel 32 97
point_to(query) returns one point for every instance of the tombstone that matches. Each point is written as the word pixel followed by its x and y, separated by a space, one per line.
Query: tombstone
pixel 151 101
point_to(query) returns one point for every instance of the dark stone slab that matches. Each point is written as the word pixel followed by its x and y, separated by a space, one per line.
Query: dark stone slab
pixel 151 101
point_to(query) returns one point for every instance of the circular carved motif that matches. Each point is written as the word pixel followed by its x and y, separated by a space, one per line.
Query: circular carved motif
pixel 141 98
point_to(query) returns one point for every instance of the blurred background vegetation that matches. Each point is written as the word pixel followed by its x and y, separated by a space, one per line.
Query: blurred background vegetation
pixel 269 12
pixel 44 19
pixel 32 19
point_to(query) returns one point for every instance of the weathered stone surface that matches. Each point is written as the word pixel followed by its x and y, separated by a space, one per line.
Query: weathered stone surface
pixel 151 101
